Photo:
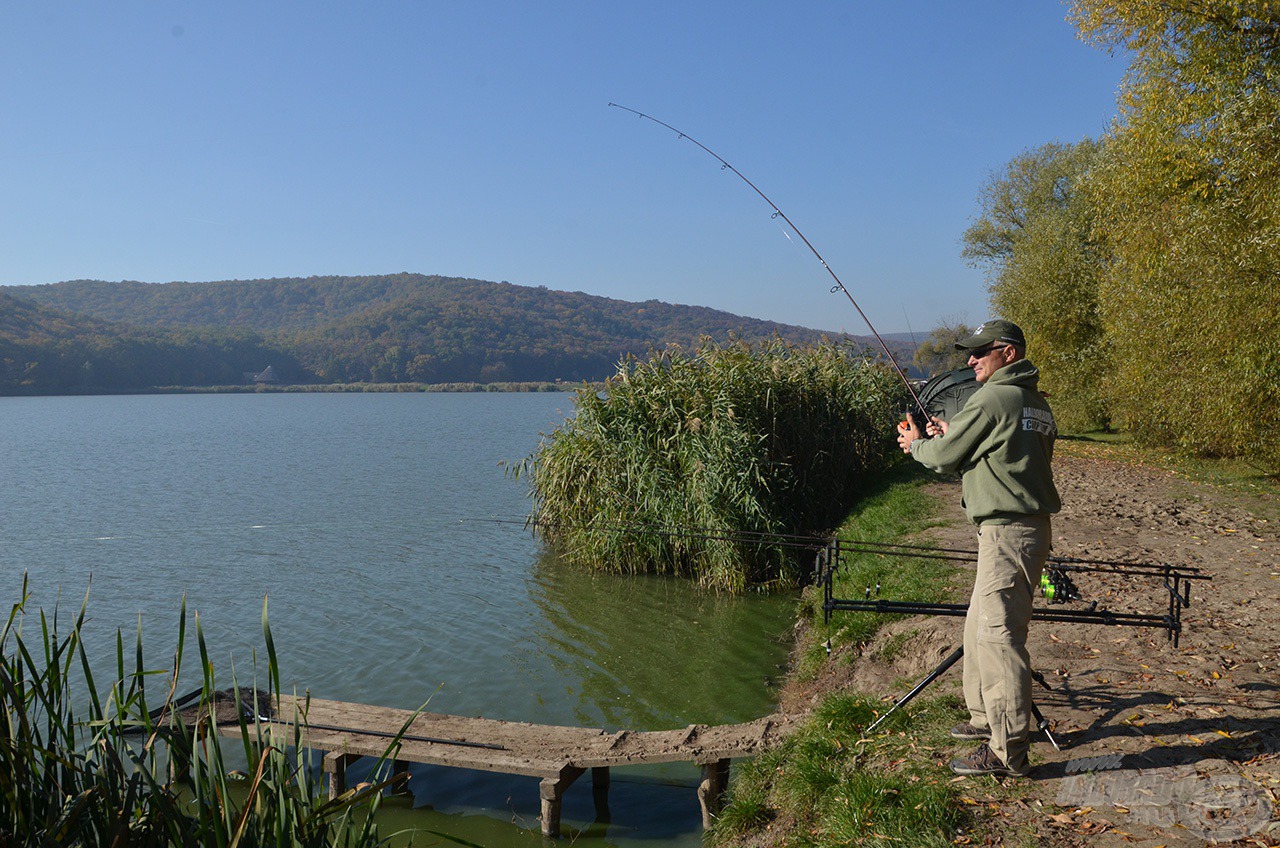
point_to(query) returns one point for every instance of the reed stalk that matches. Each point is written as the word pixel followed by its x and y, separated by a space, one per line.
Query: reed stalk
pixel 727 440
pixel 83 764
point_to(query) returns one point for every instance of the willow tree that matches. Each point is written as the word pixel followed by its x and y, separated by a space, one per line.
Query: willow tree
pixel 1188 196
pixel 1034 236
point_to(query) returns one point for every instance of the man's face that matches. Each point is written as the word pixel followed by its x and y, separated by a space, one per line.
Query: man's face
pixel 990 359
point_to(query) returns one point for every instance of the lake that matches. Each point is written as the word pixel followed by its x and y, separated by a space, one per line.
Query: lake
pixel 387 540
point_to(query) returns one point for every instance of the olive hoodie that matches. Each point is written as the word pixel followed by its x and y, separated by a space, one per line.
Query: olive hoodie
pixel 1001 443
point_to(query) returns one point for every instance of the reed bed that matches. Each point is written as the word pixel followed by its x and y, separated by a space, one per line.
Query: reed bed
pixel 83 765
pixel 684 456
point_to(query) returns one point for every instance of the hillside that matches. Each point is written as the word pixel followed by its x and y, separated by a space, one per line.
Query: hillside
pixel 411 327
pixel 46 351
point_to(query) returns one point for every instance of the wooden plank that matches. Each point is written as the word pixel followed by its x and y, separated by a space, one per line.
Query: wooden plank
pixel 508 747
pixel 557 754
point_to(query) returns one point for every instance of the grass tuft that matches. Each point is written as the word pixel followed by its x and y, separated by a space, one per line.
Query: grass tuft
pixel 837 786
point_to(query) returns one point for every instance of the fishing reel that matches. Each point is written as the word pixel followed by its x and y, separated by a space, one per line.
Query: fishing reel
pixel 916 417
pixel 1057 587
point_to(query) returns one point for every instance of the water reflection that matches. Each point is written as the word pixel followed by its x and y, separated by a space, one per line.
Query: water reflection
pixel 652 653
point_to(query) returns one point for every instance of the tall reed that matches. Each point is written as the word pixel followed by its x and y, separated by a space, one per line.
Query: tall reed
pixel 728 439
pixel 87 766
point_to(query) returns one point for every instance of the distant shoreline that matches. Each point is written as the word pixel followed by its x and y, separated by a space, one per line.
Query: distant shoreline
pixel 315 388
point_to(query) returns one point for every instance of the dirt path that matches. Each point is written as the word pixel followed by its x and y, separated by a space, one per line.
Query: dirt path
pixel 1161 745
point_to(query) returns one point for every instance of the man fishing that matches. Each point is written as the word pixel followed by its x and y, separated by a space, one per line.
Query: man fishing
pixel 1001 443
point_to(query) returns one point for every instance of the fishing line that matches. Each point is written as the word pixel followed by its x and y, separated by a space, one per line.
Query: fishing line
pixel 784 540
pixel 778 213
pixel 812 541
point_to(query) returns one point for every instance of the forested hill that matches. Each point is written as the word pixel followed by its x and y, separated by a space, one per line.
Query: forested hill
pixel 299 304
pixel 408 327
pixel 45 351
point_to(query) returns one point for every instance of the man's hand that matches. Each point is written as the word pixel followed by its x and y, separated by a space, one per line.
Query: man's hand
pixel 907 433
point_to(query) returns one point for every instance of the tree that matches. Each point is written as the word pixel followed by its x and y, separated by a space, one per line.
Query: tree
pixel 938 353
pixel 1188 197
pixel 1034 235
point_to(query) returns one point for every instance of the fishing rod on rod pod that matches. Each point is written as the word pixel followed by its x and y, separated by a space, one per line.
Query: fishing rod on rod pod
pixel 778 213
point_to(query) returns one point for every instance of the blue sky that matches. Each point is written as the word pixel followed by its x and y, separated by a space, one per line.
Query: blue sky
pixel 184 141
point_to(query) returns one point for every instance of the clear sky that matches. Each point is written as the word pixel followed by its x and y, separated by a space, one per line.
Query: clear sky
pixel 204 141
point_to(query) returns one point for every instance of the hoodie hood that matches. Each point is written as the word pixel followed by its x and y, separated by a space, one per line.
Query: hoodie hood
pixel 1022 374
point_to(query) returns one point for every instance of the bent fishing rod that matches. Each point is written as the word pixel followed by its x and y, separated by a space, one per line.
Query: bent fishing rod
pixel 778 213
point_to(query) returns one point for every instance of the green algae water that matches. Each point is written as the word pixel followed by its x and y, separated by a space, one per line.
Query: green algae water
pixel 387 539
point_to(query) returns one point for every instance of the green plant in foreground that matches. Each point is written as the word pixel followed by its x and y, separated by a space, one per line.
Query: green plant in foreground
pixel 87 766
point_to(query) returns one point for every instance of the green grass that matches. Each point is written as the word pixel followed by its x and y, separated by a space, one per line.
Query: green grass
pixel 895 509
pixel 829 784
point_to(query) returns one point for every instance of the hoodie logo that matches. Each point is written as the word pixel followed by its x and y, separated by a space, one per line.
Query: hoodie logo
pixel 1039 420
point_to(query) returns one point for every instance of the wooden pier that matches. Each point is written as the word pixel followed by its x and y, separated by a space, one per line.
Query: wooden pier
pixel 557 755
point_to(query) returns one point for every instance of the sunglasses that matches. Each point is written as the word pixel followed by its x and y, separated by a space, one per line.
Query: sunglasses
pixel 978 354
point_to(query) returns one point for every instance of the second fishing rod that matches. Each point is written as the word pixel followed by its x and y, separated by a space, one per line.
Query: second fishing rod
pixel 778 213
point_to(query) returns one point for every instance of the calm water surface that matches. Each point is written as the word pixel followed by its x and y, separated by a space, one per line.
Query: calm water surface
pixel 384 534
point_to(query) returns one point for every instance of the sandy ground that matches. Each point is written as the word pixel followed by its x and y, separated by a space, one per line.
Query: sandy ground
pixel 1161 745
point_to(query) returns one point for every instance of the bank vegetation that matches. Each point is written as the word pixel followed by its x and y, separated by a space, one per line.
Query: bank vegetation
pixel 1145 265
pixel 688 460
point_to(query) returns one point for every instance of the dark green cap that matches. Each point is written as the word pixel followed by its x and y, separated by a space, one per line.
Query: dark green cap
pixel 994 331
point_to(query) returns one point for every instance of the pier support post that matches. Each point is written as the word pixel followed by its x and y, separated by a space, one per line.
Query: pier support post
pixel 600 793
pixel 552 790
pixel 715 778
pixel 335 765
pixel 400 787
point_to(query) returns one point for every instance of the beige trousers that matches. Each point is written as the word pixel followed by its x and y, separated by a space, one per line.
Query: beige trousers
pixel 997 668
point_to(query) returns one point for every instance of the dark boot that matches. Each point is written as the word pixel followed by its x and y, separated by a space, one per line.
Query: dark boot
pixel 982 761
